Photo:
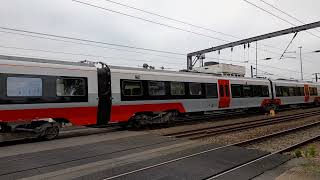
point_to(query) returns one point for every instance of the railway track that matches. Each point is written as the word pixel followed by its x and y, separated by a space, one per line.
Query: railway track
pixel 273 135
pixel 242 144
pixel 238 126
pixel 231 114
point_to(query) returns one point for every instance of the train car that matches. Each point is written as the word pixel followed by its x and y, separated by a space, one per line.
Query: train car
pixel 36 95
pixel 295 92
pixel 142 96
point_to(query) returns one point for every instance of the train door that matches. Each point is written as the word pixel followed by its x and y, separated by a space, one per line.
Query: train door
pixel 224 93
pixel 104 94
pixel 306 93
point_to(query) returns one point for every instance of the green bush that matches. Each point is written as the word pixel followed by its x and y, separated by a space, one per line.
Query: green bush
pixel 310 152
pixel 297 153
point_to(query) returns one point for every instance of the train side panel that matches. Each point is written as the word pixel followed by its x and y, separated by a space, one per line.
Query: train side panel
pixel 30 92
pixel 124 109
pixel 291 92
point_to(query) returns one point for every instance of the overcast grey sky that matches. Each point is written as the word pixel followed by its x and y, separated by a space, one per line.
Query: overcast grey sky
pixel 233 17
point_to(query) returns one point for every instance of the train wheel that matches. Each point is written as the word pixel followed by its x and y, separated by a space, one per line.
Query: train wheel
pixel 50 133
pixel 137 125
pixel 172 118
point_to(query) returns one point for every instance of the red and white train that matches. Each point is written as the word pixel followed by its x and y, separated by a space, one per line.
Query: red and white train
pixel 37 95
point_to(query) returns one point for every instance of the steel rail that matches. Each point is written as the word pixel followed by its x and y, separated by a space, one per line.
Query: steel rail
pixel 288 148
pixel 226 146
pixel 214 130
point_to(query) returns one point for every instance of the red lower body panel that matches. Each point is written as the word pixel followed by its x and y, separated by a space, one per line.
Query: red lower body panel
pixel 76 115
pixel 268 102
pixel 122 113
pixel 85 115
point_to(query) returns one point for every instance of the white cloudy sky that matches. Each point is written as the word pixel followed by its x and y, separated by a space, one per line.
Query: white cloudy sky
pixel 233 17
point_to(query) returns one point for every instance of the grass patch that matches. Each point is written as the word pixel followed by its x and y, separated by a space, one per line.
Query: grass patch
pixel 309 152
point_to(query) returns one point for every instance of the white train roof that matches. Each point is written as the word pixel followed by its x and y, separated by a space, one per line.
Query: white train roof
pixel 24 61
pixel 121 69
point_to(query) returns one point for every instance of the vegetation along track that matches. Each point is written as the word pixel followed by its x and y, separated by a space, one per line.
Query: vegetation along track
pixel 237 126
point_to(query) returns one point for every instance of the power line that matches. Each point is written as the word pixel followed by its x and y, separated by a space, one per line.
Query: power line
pixel 89 41
pixel 162 24
pixel 147 20
pixel 172 19
pixel 272 14
pixel 80 54
pixel 85 44
pixel 180 21
pixel 100 56
pixel 268 12
pixel 278 9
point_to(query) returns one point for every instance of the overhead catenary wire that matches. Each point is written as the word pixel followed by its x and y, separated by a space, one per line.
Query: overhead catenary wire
pixel 154 22
pixel 147 20
pixel 180 21
pixel 172 19
pixel 282 11
pixel 130 60
pixel 81 54
pixel 274 15
pixel 86 44
pixel 47 36
pixel 89 41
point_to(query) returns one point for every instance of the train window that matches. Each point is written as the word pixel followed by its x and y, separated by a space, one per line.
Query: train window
pixel 195 89
pixel 247 91
pixel 265 91
pixel 221 90
pixel 301 91
pixel 178 88
pixel 298 91
pixel 71 87
pixel 236 90
pixel 285 91
pixel 256 91
pixel 24 87
pixel 211 90
pixel 157 88
pixel 313 91
pixel 291 91
pixel 279 91
pixel 132 88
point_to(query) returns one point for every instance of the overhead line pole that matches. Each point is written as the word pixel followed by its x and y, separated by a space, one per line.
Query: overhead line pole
pixel 256 59
pixel 301 69
pixel 253 39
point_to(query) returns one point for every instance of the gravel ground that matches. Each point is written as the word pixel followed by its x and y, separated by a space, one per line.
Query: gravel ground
pixel 224 121
pixel 234 137
pixel 278 143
